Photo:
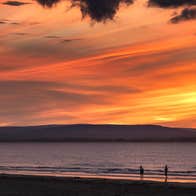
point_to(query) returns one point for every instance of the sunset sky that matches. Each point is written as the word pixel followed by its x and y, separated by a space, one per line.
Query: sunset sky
pixel 98 61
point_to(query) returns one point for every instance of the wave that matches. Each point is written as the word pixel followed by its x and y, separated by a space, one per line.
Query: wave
pixel 96 171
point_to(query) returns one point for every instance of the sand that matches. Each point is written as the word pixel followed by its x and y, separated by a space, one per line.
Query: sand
pixel 18 185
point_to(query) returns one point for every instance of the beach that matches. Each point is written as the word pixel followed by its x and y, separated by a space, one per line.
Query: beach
pixel 26 185
pixel 108 169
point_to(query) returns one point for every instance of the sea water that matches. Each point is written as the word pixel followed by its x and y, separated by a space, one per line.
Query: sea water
pixel 104 159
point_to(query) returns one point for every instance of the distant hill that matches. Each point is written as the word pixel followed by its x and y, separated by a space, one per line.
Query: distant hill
pixel 86 132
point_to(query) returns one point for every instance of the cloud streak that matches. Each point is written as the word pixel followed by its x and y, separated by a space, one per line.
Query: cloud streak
pixel 51 96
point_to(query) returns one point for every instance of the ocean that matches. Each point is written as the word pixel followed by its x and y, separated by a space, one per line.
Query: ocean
pixel 102 160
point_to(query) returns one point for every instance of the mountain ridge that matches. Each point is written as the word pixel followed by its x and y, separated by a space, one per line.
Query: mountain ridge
pixel 96 132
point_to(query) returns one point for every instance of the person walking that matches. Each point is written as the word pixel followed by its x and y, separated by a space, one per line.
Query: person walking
pixel 141 172
pixel 166 172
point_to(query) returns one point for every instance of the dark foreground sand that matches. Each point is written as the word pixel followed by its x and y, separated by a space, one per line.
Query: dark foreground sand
pixel 15 185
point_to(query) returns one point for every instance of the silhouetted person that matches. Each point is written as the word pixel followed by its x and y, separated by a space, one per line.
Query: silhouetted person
pixel 166 172
pixel 141 172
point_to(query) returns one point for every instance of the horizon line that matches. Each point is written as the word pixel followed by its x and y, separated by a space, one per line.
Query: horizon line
pixel 92 124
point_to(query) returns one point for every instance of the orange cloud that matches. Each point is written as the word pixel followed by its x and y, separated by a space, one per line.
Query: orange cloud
pixel 137 79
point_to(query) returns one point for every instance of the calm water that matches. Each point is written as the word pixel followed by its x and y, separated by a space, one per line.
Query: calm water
pixel 100 159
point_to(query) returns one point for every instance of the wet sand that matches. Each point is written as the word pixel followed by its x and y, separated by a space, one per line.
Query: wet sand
pixel 18 185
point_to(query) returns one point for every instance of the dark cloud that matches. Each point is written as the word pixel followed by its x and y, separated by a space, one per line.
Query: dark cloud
pixel 103 10
pixel 15 23
pixel 48 3
pixel 171 3
pixel 98 10
pixel 15 3
pixel 2 22
pixel 52 37
pixel 34 23
pixel 70 40
pixel 20 34
pixel 62 40
pixel 186 14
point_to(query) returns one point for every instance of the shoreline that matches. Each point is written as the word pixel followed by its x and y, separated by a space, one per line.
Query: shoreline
pixel 15 184
pixel 126 180
pixel 120 177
